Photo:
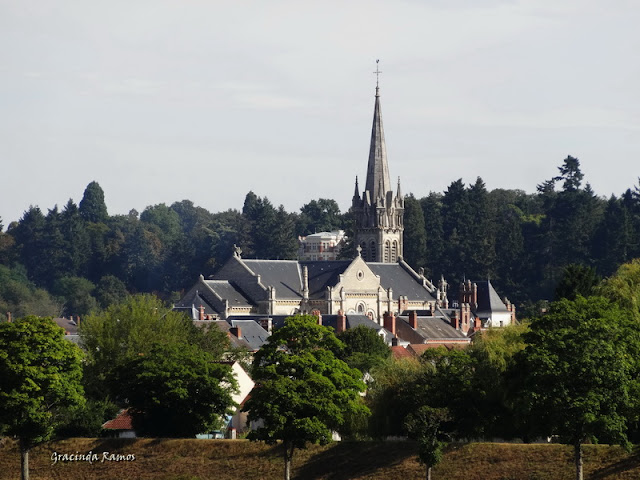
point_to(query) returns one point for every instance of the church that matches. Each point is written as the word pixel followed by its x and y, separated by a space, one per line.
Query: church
pixel 377 287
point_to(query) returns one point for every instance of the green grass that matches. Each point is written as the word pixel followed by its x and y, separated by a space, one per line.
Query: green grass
pixel 239 459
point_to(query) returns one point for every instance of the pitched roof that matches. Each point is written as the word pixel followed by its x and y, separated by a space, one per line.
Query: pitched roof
pixel 123 421
pixel 283 275
pixel 251 332
pixel 400 352
pixel 396 276
pixel 228 292
pixel 488 299
pixel 323 274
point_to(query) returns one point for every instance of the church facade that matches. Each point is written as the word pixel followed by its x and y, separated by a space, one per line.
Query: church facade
pixel 377 287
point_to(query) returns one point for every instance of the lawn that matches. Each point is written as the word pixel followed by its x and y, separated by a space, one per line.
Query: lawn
pixel 239 459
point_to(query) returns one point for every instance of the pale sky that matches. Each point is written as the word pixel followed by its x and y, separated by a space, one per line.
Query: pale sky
pixel 164 100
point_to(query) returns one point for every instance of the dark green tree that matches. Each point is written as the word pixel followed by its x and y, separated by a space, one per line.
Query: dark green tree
pixel 578 369
pixel 577 280
pixel 92 207
pixel 415 235
pixel 322 215
pixel 364 349
pixel 177 390
pixel 76 295
pixel 435 241
pixel 482 232
pixel 303 392
pixel 40 372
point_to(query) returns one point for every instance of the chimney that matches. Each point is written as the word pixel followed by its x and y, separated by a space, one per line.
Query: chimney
pixel 413 319
pixel 477 324
pixel 305 283
pixel 390 322
pixel 403 303
pixel 474 296
pixel 78 320
pixel 9 317
pixel 316 313
pixel 341 324
pixel 201 314
pixel 237 331
pixel 455 321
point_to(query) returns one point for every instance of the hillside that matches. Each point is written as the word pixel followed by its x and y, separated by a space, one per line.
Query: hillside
pixel 230 460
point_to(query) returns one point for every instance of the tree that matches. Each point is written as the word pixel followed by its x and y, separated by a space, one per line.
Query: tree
pixel 303 392
pixel 415 236
pixel 39 372
pixel 425 426
pixel 177 391
pixel 364 348
pixel 92 207
pixel 122 332
pixel 576 280
pixel 578 366
pixel 322 215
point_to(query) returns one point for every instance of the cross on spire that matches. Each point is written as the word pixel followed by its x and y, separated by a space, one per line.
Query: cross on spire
pixel 377 72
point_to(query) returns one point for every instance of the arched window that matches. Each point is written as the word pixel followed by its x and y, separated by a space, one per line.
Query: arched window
pixel 372 253
pixel 394 251
pixel 360 307
pixel 387 251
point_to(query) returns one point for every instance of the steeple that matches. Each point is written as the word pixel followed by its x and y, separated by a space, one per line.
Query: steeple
pixel 378 215
pixel 377 170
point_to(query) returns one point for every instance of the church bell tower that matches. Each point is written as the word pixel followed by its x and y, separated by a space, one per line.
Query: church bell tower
pixel 378 213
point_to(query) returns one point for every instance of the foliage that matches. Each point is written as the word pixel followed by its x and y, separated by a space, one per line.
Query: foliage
pixel 21 298
pixel 40 372
pixel 364 348
pixel 122 332
pixel 623 287
pixel 303 392
pixel 390 396
pixel 576 280
pixel 424 424
pixel 578 370
pixel 177 390
pixel 86 420
pixel 92 206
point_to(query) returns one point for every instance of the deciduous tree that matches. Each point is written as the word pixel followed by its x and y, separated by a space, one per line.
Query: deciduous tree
pixel 39 372
pixel 578 373
pixel 303 392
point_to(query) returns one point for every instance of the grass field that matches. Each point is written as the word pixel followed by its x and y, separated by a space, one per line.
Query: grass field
pixel 240 459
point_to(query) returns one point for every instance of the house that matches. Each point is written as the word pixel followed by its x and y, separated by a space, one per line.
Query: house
pixel 121 426
pixel 321 245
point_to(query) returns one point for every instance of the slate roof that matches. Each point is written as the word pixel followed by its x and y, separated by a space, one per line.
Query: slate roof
pixel 226 291
pixel 283 275
pixel 191 304
pixel 428 329
pixel 69 326
pixel 323 274
pixel 123 421
pixel 251 332
pixel 488 299
pixel 395 276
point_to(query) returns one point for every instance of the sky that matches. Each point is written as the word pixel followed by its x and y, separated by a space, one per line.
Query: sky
pixel 165 100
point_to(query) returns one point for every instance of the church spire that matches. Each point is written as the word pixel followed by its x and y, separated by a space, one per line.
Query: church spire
pixel 378 183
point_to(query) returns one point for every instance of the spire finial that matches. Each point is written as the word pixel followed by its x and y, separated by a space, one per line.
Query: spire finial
pixel 377 72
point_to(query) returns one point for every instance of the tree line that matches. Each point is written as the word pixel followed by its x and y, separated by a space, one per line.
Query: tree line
pixel 78 258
